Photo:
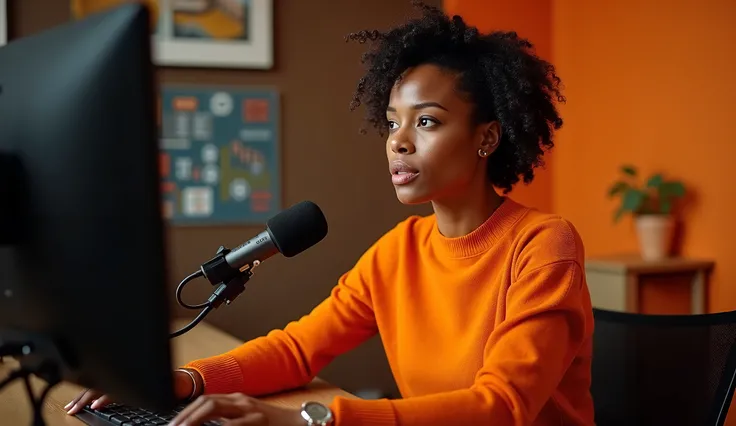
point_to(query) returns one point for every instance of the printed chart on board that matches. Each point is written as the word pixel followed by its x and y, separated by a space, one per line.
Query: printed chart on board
pixel 220 155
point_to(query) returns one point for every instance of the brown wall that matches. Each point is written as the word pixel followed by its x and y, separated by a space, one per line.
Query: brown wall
pixel 324 160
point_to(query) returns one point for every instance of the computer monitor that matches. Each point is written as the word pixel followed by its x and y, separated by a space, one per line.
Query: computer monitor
pixel 82 247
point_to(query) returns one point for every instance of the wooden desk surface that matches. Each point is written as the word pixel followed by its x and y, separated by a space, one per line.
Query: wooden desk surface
pixel 202 341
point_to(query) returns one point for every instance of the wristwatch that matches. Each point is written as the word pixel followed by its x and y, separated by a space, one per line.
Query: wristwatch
pixel 316 414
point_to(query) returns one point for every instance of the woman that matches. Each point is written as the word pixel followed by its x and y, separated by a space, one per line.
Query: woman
pixel 482 307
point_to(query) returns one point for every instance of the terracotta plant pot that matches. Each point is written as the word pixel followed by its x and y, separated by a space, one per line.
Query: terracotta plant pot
pixel 655 234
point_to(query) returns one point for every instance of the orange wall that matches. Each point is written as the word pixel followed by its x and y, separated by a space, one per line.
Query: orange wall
pixel 531 19
pixel 645 84
pixel 652 85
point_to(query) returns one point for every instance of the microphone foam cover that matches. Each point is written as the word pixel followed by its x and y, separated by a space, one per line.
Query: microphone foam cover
pixel 297 228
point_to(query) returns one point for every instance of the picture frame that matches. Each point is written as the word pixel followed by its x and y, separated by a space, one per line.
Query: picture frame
pixel 214 34
pixel 203 33
pixel 3 22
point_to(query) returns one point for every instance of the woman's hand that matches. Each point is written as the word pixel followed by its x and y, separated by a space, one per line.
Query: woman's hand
pixel 237 410
pixel 86 397
pixel 183 387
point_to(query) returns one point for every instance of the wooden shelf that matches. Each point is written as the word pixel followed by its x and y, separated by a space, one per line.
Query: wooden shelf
pixel 626 282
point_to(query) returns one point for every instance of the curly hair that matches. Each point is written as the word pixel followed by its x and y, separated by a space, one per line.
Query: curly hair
pixel 498 72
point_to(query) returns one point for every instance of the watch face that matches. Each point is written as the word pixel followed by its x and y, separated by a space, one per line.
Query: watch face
pixel 317 411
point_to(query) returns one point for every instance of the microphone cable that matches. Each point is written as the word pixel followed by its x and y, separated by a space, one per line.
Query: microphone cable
pixel 193 323
pixel 181 286
pixel 205 307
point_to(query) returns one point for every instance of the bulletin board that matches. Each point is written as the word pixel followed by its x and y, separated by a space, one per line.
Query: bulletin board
pixel 220 159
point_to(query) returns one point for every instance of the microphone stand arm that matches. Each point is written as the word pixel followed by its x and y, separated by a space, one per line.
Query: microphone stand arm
pixel 228 282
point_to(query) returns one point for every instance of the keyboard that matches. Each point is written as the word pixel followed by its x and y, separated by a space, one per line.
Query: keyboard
pixel 124 415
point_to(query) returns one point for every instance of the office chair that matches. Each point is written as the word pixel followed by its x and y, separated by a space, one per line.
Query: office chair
pixel 663 369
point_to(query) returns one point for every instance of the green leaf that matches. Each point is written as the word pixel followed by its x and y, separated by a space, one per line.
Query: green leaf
pixel 655 181
pixel 617 187
pixel 672 189
pixel 633 200
pixel 618 214
pixel 629 170
pixel 665 207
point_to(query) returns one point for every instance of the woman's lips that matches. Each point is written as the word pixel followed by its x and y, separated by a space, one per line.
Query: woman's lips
pixel 402 173
pixel 403 178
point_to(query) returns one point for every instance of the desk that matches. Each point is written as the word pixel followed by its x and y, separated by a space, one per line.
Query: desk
pixel 202 341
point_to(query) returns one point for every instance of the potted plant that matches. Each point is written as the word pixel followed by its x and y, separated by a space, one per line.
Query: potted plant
pixel 650 203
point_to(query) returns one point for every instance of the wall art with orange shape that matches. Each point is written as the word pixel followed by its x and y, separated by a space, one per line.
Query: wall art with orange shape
pixel 204 33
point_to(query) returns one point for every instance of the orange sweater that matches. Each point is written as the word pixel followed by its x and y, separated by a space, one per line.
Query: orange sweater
pixel 492 328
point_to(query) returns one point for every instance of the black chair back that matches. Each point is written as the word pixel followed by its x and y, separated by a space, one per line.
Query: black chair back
pixel 663 369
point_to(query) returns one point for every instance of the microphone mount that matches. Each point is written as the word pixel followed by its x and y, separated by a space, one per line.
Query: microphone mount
pixel 229 283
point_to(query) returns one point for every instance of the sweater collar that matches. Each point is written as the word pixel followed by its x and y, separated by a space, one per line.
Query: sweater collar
pixel 482 238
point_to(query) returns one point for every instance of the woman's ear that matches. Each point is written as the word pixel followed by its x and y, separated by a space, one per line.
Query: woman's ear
pixel 491 137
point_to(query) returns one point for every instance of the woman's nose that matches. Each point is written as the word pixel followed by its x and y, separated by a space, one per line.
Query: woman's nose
pixel 400 144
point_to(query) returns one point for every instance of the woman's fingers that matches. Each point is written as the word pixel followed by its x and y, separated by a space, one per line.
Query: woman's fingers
pixel 100 402
pixel 211 407
pixel 84 398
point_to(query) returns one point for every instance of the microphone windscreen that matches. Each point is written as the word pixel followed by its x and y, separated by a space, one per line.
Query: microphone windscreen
pixel 297 228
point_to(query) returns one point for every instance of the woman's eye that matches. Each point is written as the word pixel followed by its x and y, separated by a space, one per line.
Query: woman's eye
pixel 426 122
pixel 392 125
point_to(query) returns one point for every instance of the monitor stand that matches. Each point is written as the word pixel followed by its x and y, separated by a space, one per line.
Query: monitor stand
pixel 37 356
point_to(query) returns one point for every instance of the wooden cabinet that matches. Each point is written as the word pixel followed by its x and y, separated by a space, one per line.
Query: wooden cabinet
pixel 628 283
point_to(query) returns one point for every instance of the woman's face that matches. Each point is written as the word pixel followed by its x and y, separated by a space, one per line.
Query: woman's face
pixel 433 143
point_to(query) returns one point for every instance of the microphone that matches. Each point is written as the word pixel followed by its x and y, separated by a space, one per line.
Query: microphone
pixel 290 232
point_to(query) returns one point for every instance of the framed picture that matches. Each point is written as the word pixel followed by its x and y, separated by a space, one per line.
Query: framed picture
pixel 3 23
pixel 215 33
pixel 204 33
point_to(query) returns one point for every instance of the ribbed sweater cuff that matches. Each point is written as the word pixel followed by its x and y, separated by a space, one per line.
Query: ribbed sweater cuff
pixel 221 374
pixel 361 412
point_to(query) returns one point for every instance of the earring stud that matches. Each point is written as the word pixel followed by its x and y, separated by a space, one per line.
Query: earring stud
pixel 482 153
